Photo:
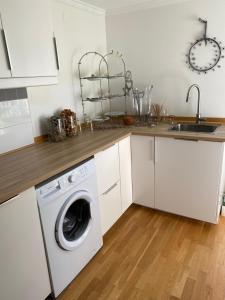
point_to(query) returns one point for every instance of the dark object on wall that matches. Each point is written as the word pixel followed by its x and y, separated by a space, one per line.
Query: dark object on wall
pixel 13 94
pixel 205 54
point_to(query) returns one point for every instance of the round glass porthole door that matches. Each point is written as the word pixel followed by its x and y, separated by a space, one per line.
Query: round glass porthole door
pixel 74 221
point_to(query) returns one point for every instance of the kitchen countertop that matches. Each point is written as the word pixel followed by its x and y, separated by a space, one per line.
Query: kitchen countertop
pixel 163 131
pixel 30 166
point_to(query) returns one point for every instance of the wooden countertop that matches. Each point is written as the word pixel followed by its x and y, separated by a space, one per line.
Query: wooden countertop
pixel 30 166
pixel 162 130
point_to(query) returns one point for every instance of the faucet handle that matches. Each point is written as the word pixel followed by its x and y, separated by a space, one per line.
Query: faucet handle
pixel 172 119
pixel 198 120
pixel 202 120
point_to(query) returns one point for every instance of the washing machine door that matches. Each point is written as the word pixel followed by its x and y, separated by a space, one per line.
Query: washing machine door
pixel 74 221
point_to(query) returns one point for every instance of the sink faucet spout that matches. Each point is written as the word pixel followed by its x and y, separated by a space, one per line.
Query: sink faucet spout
pixel 198 116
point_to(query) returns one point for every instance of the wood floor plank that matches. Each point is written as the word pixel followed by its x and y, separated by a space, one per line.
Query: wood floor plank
pixel 151 255
pixel 188 289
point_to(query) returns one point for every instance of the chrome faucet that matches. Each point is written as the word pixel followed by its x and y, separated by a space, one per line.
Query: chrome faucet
pixel 198 116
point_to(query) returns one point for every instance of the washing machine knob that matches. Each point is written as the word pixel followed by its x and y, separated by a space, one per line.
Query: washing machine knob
pixel 72 178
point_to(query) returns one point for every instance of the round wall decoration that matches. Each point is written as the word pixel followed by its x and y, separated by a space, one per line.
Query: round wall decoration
pixel 205 54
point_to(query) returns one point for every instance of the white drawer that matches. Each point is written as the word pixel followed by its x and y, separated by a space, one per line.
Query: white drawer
pixel 110 207
pixel 107 168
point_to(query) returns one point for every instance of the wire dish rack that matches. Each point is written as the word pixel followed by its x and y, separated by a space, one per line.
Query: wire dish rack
pixel 118 122
pixel 99 81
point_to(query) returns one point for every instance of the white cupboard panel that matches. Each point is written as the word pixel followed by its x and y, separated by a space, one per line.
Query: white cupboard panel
pixel 110 207
pixel 142 148
pixel 7 83
pixel 23 266
pixel 125 173
pixel 107 168
pixel 29 34
pixel 4 67
pixel 187 177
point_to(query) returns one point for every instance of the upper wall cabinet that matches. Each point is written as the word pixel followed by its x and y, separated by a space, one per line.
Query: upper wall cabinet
pixel 27 46
pixel 4 66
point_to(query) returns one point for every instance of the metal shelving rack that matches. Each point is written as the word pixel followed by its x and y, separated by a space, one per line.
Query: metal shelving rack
pixel 97 77
pixel 121 75
pixel 101 97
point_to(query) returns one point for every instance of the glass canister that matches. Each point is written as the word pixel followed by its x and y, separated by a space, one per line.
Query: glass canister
pixel 56 130
pixel 70 123
pixel 70 126
pixel 88 123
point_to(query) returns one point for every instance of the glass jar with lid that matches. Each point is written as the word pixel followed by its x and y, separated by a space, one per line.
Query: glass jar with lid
pixel 70 123
pixel 56 130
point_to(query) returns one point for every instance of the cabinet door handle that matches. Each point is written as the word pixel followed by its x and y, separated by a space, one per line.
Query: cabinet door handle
pixel 6 49
pixel 152 150
pixel 56 52
pixel 110 189
pixel 156 152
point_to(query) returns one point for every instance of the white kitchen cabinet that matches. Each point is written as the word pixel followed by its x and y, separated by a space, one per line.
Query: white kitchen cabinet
pixel 29 42
pixel 110 207
pixel 107 167
pixel 188 177
pixel 125 173
pixel 142 149
pixel 4 66
pixel 108 180
pixel 23 267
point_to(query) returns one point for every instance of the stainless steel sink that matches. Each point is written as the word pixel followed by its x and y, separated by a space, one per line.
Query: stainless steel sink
pixel 194 127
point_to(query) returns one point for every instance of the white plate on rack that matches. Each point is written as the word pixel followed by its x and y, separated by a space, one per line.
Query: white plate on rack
pixel 100 119
pixel 114 114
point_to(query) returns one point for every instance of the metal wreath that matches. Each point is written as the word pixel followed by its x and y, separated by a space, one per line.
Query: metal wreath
pixel 218 52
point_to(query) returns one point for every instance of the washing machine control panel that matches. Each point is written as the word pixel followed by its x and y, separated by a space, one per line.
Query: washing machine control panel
pixel 49 188
pixel 77 175
pixel 72 178
pixel 68 180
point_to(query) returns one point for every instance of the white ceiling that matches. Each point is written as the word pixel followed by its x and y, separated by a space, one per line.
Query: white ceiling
pixel 121 6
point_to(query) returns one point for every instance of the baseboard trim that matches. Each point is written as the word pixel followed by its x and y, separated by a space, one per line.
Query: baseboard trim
pixel 192 119
pixel 15 150
pixel 40 139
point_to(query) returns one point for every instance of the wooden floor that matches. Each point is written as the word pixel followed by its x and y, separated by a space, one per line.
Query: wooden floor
pixel 154 255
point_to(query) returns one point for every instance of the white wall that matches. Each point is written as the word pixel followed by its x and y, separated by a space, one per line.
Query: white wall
pixel 154 43
pixel 78 29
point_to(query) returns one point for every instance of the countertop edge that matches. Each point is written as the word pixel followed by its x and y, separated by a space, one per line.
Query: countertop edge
pixel 179 135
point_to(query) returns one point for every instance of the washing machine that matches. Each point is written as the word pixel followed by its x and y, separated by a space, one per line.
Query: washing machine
pixel 69 212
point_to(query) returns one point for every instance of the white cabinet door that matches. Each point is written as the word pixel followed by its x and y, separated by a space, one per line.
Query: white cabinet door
pixel 23 267
pixel 187 177
pixel 142 149
pixel 125 173
pixel 107 168
pixel 108 179
pixel 4 63
pixel 110 207
pixel 29 36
